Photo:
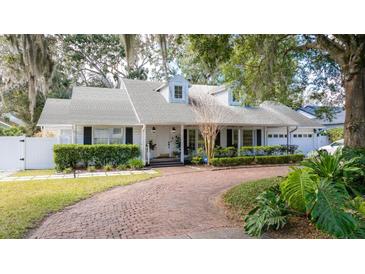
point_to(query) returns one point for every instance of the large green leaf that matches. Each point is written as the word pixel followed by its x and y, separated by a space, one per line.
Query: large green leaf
pixel 271 212
pixel 296 189
pixel 329 212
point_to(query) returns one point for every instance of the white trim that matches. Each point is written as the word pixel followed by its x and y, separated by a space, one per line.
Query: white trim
pixel 130 100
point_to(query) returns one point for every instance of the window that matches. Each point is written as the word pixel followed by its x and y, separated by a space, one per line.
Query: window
pixel 276 136
pixel 192 139
pixel 247 137
pixel 117 131
pixel 269 136
pixel 300 136
pixel 309 135
pixel 295 136
pixel 235 138
pixel 235 97
pixel 178 92
pixel 281 136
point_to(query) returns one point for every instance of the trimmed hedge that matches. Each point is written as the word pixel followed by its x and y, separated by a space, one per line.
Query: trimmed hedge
pixel 247 160
pixel 233 161
pixel 267 150
pixel 70 155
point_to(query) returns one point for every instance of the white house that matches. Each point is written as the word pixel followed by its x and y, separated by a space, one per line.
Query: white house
pixel 337 121
pixel 158 117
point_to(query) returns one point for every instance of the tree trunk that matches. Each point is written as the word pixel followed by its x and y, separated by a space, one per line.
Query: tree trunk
pixel 32 96
pixel 354 130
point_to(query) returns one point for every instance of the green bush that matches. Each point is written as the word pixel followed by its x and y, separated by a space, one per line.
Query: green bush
pixel 71 155
pixel 135 163
pixel 68 170
pixel 12 131
pixel 91 169
pixel 246 160
pixel 334 134
pixel 108 168
pixel 122 167
pixel 320 192
pixel 220 152
pixel 197 160
pixel 267 150
pixel 232 161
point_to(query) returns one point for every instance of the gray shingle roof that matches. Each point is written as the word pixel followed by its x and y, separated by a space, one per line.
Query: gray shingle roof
pixel 138 102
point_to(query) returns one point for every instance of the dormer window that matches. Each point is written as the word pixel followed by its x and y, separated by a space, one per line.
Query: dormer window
pixel 178 92
pixel 235 97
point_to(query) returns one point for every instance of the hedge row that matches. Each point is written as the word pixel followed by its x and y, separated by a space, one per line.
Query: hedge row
pixel 71 155
pixel 267 150
pixel 247 160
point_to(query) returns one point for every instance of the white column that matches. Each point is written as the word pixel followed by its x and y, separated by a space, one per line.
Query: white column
pixel 143 143
pixel 74 136
pixel 239 141
pixel 182 144
pixel 265 136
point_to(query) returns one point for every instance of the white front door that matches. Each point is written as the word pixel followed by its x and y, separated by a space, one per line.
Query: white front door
pixel 162 141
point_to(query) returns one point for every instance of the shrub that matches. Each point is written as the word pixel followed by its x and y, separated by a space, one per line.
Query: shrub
pixel 220 152
pixel 232 161
pixel 91 169
pixel 135 163
pixel 108 168
pixel 334 134
pixel 246 160
pixel 122 167
pixel 197 160
pixel 71 155
pixel 12 131
pixel 320 192
pixel 270 212
pixel 68 170
pixel 267 150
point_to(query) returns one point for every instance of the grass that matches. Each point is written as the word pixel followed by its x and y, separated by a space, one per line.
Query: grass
pixel 24 204
pixel 34 172
pixel 241 198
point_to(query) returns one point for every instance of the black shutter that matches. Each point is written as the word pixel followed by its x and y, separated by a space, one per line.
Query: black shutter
pixel 229 137
pixel 129 135
pixel 218 140
pixel 185 142
pixel 87 136
pixel 258 137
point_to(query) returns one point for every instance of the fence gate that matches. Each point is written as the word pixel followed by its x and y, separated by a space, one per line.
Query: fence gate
pixel 12 153
pixel 20 152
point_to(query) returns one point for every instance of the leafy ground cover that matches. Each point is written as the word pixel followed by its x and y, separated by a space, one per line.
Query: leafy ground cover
pixel 240 200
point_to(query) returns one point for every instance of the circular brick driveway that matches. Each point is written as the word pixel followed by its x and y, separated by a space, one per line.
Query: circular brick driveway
pixel 182 203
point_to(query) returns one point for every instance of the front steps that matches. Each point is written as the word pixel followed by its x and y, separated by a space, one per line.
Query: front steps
pixel 165 162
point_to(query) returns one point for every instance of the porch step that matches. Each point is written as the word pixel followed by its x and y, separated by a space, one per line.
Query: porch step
pixel 165 162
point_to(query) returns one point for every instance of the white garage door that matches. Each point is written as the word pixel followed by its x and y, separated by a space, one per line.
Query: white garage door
pixel 305 141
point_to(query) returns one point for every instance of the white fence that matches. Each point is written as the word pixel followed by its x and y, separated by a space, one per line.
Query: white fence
pixel 19 152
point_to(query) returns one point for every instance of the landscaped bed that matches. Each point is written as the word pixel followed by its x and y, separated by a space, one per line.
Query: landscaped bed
pixel 240 200
pixel 24 204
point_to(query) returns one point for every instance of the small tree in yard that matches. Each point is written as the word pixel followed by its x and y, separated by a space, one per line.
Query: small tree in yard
pixel 210 116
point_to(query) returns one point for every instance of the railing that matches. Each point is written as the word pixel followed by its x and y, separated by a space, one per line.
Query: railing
pixel 108 141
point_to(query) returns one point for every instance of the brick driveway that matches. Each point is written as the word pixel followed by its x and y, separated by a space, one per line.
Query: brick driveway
pixel 180 204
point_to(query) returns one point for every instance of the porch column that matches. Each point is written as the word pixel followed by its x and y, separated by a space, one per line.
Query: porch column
pixel 74 134
pixel 239 144
pixel 182 144
pixel 143 143
pixel 265 136
pixel 287 140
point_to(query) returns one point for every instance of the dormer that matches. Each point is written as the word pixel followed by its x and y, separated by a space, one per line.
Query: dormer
pixel 176 90
pixel 226 96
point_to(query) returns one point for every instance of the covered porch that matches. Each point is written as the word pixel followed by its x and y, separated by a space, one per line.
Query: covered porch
pixel 164 141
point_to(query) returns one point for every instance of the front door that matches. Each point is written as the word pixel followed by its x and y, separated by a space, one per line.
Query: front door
pixel 162 141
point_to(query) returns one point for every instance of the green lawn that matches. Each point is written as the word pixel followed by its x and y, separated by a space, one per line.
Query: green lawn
pixel 241 198
pixel 34 172
pixel 24 204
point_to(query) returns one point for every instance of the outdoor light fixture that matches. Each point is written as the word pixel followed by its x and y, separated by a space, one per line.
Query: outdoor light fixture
pixel 153 130
pixel 173 130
